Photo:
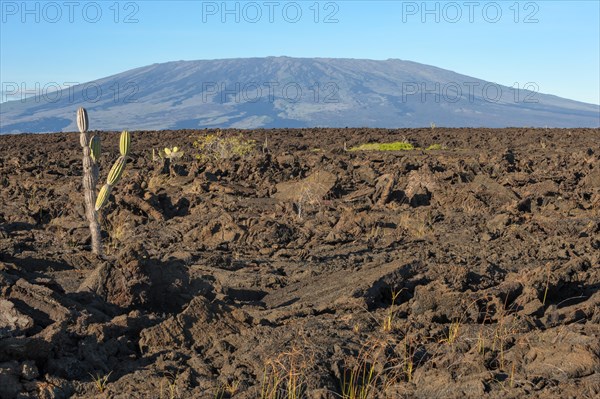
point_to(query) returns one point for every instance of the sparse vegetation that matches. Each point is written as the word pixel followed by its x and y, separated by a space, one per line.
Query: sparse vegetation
pixel 118 229
pixel 307 195
pixel 100 381
pixel 171 153
pixel 408 365
pixel 361 373
pixel 215 147
pixel 453 331
pixel 389 320
pixel 285 376
pixel 358 381
pixel 548 274
pixel 169 382
pixel 394 146
pixel 228 390
pixel 434 147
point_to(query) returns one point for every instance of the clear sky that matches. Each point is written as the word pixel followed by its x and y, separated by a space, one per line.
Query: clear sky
pixel 554 44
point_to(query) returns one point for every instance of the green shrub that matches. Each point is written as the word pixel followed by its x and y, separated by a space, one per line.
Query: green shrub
pixel 395 146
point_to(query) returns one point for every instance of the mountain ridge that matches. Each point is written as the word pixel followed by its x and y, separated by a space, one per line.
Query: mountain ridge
pixel 270 92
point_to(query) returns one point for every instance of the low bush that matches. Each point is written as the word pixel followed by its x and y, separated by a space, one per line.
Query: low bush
pixel 214 147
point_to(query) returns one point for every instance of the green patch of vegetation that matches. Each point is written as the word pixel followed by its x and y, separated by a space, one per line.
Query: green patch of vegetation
pixel 395 146
pixel 435 147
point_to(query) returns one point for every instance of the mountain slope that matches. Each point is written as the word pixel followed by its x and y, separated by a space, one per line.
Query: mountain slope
pixel 292 92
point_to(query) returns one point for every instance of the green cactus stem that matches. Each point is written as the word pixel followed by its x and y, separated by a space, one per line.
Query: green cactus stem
pixel 103 196
pixel 125 143
pixel 116 171
pixel 95 146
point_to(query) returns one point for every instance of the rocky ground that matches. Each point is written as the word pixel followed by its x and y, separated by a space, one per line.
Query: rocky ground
pixel 306 271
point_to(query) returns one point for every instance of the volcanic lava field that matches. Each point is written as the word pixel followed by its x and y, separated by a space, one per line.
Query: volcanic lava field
pixel 466 267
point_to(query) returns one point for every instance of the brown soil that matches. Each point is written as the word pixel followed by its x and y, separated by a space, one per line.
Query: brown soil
pixel 304 271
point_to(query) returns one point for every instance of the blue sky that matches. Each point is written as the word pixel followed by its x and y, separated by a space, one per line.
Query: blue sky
pixel 554 44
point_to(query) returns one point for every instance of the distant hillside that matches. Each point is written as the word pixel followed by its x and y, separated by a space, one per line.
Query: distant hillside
pixel 293 92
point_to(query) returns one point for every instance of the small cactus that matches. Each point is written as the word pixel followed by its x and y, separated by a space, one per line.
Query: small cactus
pixel 172 153
pixel 91 157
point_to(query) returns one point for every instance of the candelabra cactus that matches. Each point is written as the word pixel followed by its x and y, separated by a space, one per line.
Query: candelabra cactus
pixel 91 159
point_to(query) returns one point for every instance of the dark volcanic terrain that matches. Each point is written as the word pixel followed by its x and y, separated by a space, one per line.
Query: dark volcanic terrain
pixel 306 271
